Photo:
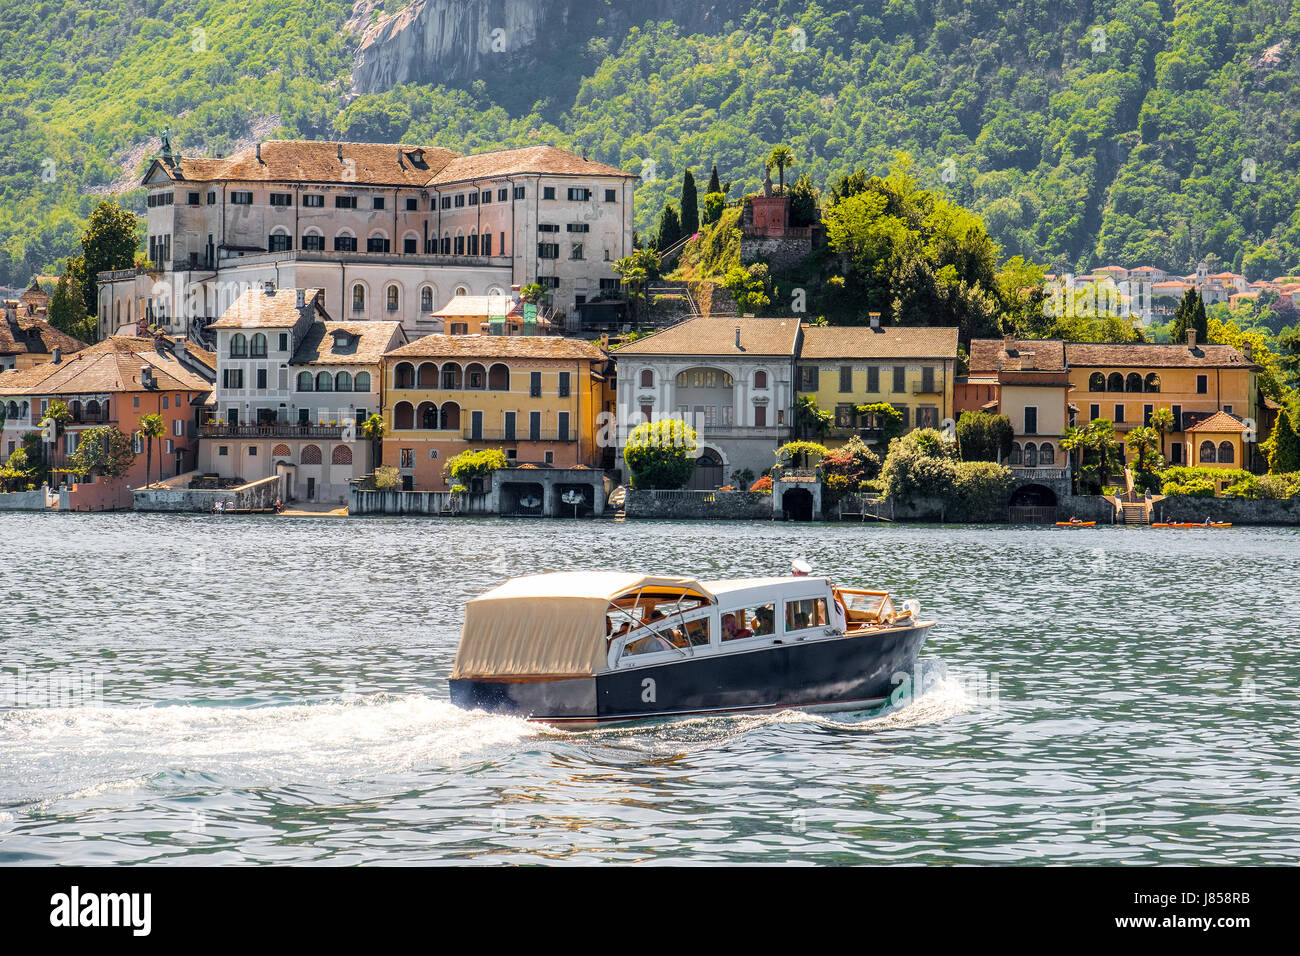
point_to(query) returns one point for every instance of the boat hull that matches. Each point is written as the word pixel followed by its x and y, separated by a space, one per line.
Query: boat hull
pixel 846 673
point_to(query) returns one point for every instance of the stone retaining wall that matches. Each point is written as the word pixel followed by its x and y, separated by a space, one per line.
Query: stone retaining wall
pixel 23 500
pixel 255 496
pixel 1237 510
pixel 722 505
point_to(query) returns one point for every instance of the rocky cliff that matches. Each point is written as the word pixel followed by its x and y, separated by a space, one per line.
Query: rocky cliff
pixel 454 41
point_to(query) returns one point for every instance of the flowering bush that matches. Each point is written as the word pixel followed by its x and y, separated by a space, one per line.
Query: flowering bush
pixel 763 485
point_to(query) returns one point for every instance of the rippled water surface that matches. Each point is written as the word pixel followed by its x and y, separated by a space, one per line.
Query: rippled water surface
pixel 273 690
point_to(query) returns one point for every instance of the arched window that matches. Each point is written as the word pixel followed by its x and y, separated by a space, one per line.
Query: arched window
pixel 258 349
pixel 451 375
pixel 281 451
pixel 1152 383
pixel 647 378
pixel 324 382
pixel 760 379
pixel 1227 455
pixel 404 375
pixel 499 378
pixel 475 376
pixel 343 382
pixel 238 345
pixel 428 375
pixel 1115 383
pixel 13 409
pixel 92 409
pixel 462 290
pixel 358 298
pixel 1017 457
pixel 427 415
pixel 1207 452
pixel 342 455
pixel 362 382
pixel 1031 455
pixel 75 408
pixel 305 382
pixel 310 455
pixel 403 415
pixel 392 298
pixel 451 416
pixel 426 299
pixel 1133 383
pixel 1046 454
pixel 1096 382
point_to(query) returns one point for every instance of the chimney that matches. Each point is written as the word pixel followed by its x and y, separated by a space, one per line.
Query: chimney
pixel 56 355
pixel 875 319
pixel 1191 339
pixel 1248 351
pixel 259 151
pixel 737 336
pixel 1008 343
pixel 302 298
pixel 269 287
pixel 340 152
pixel 1027 360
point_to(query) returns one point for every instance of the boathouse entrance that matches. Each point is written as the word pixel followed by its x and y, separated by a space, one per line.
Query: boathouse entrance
pixel 797 504
pixel 1032 504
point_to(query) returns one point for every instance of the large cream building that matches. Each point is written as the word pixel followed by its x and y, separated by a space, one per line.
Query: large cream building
pixel 390 232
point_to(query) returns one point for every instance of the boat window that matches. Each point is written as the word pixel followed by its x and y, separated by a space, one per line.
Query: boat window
pixel 650 644
pixel 864 603
pixel 800 615
pixel 759 621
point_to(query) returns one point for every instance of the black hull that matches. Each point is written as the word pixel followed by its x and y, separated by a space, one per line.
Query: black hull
pixel 849 673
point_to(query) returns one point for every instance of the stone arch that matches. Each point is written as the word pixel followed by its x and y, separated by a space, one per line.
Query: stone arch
pixel 499 378
pixel 1151 383
pixel 427 416
pixel 1227 453
pixel 281 451
pixel 403 416
pixel 1208 453
pixel 450 416
pixel 310 455
pixel 1115 382
pixel 404 375
pixel 426 375
pixel 342 455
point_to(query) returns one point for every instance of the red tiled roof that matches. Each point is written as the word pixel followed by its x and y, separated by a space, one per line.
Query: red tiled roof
pixel 529 159
pixel 717 336
pixel 1146 355
pixel 277 310
pixel 112 365
pixel 489 347
pixel 29 335
pixel 990 355
pixel 1218 422
pixel 863 341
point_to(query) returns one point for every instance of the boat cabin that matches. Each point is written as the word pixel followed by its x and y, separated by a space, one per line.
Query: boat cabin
pixel 575 623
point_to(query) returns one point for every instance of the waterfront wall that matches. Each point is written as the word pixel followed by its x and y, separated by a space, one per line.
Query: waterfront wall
pixel 254 496
pixel 395 502
pixel 106 494
pixel 719 505
pixel 1236 510
pixel 23 500
pixel 1087 508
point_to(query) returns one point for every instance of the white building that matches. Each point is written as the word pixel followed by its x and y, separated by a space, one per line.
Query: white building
pixel 732 379
pixel 390 232
pixel 293 387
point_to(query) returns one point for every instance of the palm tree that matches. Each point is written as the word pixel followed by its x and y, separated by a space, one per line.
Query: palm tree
pixel 373 428
pixel 151 427
pixel 1162 420
pixel 780 157
pixel 1143 442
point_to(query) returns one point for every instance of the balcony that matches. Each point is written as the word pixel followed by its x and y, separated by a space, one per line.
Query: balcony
pixel 518 435
pixel 278 430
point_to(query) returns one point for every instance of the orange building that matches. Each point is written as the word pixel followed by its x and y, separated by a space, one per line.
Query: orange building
pixel 539 398
pixel 117 382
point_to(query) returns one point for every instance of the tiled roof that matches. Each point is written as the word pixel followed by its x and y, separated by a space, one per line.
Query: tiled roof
pixel 990 355
pixel 498 347
pixel 109 366
pixel 292 160
pixel 1144 355
pixel 863 341
pixel 363 344
pixel 479 305
pixel 529 159
pixel 255 309
pixel 25 334
pixel 717 336
pixel 1218 422
pixel 383 164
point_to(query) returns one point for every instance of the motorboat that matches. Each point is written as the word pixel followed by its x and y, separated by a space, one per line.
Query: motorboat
pixel 582 649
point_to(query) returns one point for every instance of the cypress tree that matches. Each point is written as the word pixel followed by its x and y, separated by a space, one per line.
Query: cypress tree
pixel 714 185
pixel 1190 315
pixel 690 206
pixel 1284 456
pixel 670 227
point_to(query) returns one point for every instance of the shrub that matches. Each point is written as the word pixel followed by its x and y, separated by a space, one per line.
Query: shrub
pixel 917 467
pixel 468 465
pixel 1192 488
pixel 1283 446
pixel 763 485
pixel 980 492
pixel 386 476
pixel 807 453
pixel 983 436
pixel 661 454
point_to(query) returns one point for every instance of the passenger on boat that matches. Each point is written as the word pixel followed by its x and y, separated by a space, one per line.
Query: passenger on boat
pixel 1208 522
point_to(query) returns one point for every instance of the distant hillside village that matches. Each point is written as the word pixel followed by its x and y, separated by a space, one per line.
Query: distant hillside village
pixel 317 320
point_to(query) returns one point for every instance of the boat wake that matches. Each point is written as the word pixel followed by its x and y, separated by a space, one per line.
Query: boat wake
pixel 80 753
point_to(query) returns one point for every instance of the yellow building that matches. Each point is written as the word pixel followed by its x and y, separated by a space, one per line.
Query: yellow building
pixel 910 368
pixel 1125 383
pixel 1027 381
pixel 543 400
pixel 1216 442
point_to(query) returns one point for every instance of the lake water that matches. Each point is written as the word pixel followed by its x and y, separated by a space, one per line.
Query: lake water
pixel 272 689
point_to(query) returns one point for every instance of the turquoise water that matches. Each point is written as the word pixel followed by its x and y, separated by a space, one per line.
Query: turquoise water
pixel 273 690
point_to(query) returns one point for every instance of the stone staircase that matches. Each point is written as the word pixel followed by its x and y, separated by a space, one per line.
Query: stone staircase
pixel 1134 508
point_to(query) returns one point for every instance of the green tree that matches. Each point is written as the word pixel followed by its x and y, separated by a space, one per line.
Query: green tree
pixel 690 222
pixel 151 427
pixel 714 204
pixel 1190 315
pixel 804 202
pixel 661 454
pixel 1096 454
pixel 801 454
pixel 636 272
pixel 884 418
pixel 810 419
pixel 109 242
pixel 920 464
pixel 670 227
pixel 532 292
pixel 782 157
pixel 104 450
pixel 1162 420
pixel 714 185
pixel 1144 443
pixel 469 465
pixel 67 308
pixel 983 436
pixel 1284 446
pixel 751 287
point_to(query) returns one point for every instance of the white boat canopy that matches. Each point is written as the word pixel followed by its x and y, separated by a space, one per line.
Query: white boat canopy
pixel 554 625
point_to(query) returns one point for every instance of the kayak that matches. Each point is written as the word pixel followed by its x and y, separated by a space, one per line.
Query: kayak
pixel 1188 524
pixel 1075 524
